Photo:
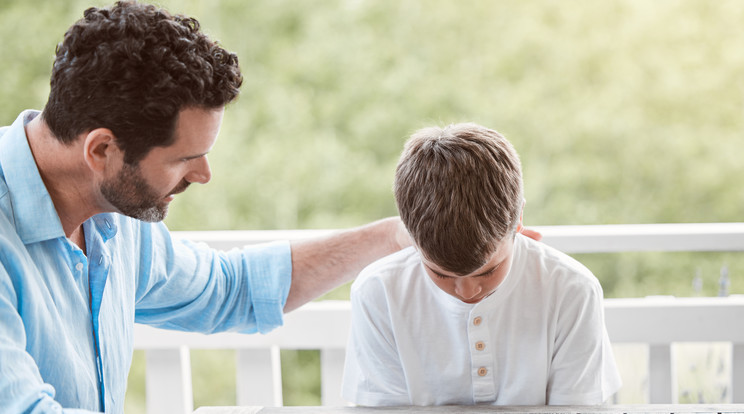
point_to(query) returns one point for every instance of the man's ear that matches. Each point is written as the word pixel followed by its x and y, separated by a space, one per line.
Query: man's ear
pixel 100 149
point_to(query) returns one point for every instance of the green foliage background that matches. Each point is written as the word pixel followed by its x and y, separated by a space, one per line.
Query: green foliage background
pixel 623 111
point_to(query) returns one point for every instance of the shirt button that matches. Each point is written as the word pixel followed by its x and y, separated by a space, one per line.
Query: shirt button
pixel 482 371
pixel 477 320
pixel 480 345
pixel 79 267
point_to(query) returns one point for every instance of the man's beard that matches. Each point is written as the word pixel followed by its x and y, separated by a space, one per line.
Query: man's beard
pixel 133 197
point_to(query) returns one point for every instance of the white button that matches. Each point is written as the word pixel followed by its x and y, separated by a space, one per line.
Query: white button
pixel 79 267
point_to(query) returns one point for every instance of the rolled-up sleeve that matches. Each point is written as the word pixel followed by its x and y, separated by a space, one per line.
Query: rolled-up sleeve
pixel 268 269
pixel 196 288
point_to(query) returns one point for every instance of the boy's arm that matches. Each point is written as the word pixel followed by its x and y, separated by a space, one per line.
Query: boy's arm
pixel 322 264
pixel 373 374
pixel 583 370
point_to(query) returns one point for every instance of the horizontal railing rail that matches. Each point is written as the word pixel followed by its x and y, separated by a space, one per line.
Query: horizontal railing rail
pixel 657 321
pixel 613 238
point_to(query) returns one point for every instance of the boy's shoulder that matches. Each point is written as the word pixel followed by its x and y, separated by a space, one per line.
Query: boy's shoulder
pixel 402 261
pixel 397 268
pixel 551 265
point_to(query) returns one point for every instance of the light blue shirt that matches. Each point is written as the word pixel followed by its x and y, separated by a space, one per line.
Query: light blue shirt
pixel 61 309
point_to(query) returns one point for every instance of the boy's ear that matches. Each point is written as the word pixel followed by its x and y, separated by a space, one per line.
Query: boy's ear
pixel 520 227
pixel 533 234
pixel 100 149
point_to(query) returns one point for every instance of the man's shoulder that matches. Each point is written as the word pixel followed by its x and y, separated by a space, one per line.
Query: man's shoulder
pixel 3 185
pixel 5 206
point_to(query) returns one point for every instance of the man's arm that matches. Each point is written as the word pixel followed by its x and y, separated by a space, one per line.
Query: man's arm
pixel 319 265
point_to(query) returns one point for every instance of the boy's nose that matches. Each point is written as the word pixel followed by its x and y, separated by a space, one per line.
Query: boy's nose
pixel 467 288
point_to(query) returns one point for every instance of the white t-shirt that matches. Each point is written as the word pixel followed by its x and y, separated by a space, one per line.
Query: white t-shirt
pixel 538 339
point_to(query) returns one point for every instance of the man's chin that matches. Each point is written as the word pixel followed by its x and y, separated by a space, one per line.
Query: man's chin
pixel 151 215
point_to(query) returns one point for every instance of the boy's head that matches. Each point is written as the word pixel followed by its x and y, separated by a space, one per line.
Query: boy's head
pixel 459 193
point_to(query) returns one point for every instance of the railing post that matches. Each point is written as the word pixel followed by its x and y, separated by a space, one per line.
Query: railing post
pixel 662 381
pixel 259 377
pixel 737 373
pixel 331 376
pixel 168 381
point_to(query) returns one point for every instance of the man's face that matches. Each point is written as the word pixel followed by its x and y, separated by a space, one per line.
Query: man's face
pixel 145 190
pixel 476 286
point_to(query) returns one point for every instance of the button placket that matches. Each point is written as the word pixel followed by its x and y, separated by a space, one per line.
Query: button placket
pixel 482 362
pixel 78 266
pixel 99 263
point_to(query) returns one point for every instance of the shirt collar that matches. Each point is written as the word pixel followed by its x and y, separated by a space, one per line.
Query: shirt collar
pixel 33 210
pixel 105 224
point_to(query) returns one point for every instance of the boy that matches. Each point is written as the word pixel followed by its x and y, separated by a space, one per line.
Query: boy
pixel 473 313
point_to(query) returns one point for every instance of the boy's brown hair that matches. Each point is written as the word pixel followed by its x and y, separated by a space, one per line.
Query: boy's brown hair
pixel 459 193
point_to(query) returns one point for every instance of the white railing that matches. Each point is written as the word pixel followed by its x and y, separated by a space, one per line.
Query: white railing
pixel 656 321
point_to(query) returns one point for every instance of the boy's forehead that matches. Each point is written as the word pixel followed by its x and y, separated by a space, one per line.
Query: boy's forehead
pixel 502 252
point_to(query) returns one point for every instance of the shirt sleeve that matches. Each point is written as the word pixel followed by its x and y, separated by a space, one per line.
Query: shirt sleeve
pixel 373 375
pixel 188 286
pixel 583 370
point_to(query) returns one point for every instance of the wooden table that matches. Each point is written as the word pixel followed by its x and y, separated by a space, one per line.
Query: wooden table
pixel 640 408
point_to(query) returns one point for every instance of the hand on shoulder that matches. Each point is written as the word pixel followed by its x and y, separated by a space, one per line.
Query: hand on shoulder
pixel 532 234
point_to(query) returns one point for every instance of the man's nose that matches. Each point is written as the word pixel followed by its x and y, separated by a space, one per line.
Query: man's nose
pixel 201 172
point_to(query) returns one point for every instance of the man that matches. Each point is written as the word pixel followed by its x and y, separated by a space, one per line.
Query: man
pixel 137 98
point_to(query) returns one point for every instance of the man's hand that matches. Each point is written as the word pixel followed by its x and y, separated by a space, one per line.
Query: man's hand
pixel 532 234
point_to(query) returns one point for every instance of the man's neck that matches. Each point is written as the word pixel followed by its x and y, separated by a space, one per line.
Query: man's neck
pixel 66 177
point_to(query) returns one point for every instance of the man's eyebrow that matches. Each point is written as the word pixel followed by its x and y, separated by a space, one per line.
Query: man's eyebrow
pixel 193 157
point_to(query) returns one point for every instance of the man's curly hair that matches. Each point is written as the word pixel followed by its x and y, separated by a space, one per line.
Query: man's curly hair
pixel 132 68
